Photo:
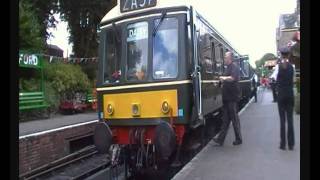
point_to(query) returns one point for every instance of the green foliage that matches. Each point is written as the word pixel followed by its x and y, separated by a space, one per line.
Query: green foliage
pixel 297 103
pixel 266 57
pixel 298 85
pixel 52 97
pixel 261 70
pixel 29 85
pixel 66 78
pixel 29 34
pixel 44 11
pixel 90 69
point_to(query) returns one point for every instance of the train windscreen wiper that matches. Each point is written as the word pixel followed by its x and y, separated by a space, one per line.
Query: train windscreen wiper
pixel 163 15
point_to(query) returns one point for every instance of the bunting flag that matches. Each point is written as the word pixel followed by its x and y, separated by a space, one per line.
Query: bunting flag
pixel 75 60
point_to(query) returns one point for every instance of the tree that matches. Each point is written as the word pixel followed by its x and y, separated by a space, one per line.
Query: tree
pixel 44 11
pixel 260 64
pixel 266 57
pixel 30 38
pixel 84 17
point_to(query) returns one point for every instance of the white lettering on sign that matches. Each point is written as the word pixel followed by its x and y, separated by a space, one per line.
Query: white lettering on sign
pixel 137 31
pixel 130 5
pixel 134 3
pixel 125 6
pixel 28 59
pixel 142 4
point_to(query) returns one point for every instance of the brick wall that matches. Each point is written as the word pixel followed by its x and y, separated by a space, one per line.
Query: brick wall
pixel 35 151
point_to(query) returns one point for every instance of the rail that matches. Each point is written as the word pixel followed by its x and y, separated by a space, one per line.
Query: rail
pixel 67 160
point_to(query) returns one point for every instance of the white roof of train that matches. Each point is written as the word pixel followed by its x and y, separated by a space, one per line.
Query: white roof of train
pixel 115 11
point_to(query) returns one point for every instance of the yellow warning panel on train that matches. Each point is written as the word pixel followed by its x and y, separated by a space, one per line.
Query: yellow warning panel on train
pixel 150 104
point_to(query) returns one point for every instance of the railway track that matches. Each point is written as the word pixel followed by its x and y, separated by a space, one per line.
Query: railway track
pixel 78 165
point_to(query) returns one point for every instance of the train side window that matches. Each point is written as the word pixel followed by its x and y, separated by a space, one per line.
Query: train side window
pixel 221 60
pixel 213 57
pixel 218 60
pixel 205 53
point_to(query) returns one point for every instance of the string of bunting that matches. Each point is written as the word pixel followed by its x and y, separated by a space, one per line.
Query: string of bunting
pixel 75 60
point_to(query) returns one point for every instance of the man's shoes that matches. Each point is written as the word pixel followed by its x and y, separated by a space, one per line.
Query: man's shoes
pixel 219 143
pixel 283 148
pixel 237 142
pixel 291 148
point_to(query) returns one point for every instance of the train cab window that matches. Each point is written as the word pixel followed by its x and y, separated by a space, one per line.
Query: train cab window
pixel 112 70
pixel 137 51
pixel 165 49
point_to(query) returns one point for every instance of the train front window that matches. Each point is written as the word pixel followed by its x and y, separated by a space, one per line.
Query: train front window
pixel 137 51
pixel 165 49
pixel 112 69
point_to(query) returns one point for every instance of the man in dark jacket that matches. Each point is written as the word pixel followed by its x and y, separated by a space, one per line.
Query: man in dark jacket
pixel 230 98
pixel 285 78
pixel 254 85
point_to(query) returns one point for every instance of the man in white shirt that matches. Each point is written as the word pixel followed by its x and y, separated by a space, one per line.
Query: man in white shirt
pixel 273 84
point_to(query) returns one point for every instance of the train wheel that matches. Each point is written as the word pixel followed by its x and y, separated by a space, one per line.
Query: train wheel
pixel 165 140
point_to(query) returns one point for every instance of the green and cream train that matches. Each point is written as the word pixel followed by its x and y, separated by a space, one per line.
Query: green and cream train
pixel 158 78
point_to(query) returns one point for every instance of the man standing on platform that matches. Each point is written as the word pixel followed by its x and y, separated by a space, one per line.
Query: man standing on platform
pixel 285 81
pixel 230 97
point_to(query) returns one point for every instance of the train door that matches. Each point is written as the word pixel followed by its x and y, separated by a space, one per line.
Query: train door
pixel 197 118
pixel 217 72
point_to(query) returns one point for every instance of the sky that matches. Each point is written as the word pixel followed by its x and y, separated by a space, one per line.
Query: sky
pixel 249 25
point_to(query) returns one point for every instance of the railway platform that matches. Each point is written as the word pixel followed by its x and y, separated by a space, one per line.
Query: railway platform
pixel 259 157
pixel 60 121
pixel 46 140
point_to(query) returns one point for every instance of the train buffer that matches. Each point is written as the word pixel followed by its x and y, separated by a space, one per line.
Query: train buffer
pixel 259 157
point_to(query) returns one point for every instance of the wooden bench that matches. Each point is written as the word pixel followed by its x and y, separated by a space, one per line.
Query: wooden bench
pixel 32 100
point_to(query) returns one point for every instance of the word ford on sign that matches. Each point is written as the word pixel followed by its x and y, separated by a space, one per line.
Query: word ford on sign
pixel 28 59
pixel 130 5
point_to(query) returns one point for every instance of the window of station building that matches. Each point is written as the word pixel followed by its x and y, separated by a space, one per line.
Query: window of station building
pixel 165 49
pixel 137 51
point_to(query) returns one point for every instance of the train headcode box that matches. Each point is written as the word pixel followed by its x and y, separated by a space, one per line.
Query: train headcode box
pixel 131 5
